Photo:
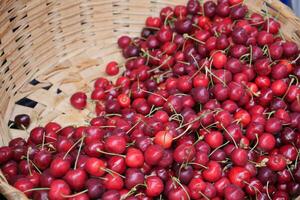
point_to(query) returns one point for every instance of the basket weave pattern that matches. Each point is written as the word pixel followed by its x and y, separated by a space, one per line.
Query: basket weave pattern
pixel 52 48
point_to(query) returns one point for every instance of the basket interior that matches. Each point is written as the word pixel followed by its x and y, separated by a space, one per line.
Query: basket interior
pixel 50 49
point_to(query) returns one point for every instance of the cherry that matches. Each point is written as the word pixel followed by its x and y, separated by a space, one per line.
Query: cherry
pixel 113 182
pixel 219 60
pixel 238 12
pixel 115 144
pixel 40 195
pixel 133 178
pixel 76 179
pixel 24 185
pixel 290 49
pixel 183 26
pixel 95 166
pixel 154 186
pixel 233 192
pixel 214 139
pixel 134 157
pixel 273 125
pixel 153 154
pixel 184 84
pixel 184 153
pixel 111 195
pixel 59 167
pixel 266 142
pixel 209 8
pixel 22 121
pixel 279 87
pixel 179 193
pixel 58 190
pixel 238 176
pixel 94 187
pixel 6 154
pixel 164 139
pixel 42 159
pixel 124 41
pixel 78 100
pixel 213 171
pixel 196 186
pixel 239 157
pixel 239 35
pixel 112 68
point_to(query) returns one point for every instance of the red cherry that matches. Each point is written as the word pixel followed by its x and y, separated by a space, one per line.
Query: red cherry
pixel 115 144
pixel 266 142
pixel 276 162
pixel 164 139
pixel 134 158
pixel 23 185
pixel 239 157
pixel 76 179
pixel 279 87
pixel 78 100
pixel 214 139
pixel 219 60
pixel 238 176
pixel 113 182
pixel 154 186
pixel 95 166
pixel 213 172
pixel 59 167
pixel 112 68
pixel 124 100
pixel 59 189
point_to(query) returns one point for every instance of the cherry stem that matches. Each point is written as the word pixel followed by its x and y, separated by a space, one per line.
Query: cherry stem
pixel 219 147
pixel 193 163
pixel 154 94
pixel 112 114
pixel 112 172
pixel 158 67
pixel 256 143
pixel 36 189
pixel 78 153
pixel 205 197
pixel 43 142
pixel 74 195
pixel 255 188
pixel 70 149
pixel 36 167
pixel 235 144
pixel 133 126
pixel 268 18
pixel 28 161
pixel 184 132
pixel 296 59
pixel 132 190
pixel 251 52
pixel 268 191
pixel 293 78
pixel 178 182
pixel 212 74
pixel 111 154
pixel 114 88
pixel 269 113
pixel 199 68
pixel 192 38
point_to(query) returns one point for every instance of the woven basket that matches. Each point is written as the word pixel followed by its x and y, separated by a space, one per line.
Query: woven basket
pixel 52 48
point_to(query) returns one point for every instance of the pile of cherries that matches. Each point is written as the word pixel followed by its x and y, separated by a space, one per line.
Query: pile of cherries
pixel 208 107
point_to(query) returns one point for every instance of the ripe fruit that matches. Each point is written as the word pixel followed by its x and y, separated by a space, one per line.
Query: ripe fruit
pixel 164 139
pixel 78 100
